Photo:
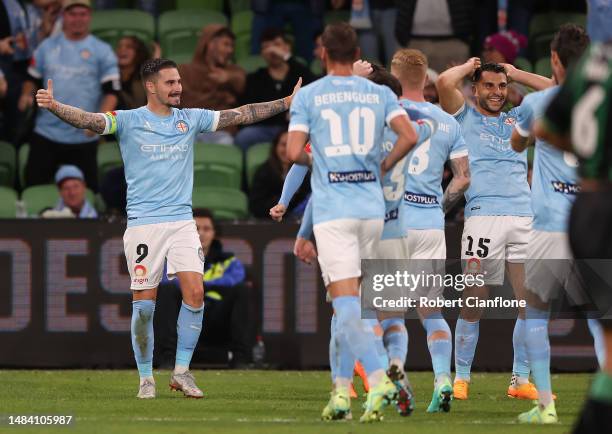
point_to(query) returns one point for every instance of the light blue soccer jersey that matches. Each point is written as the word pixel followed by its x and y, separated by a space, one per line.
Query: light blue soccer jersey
pixel 554 183
pixel 345 117
pixel 157 154
pixel 498 183
pixel 423 196
pixel 78 69
pixel 394 182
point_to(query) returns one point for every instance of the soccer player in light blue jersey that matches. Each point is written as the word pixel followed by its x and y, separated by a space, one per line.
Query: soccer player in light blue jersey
pixel 554 185
pixel 421 214
pixel 345 116
pixel 498 210
pixel 156 144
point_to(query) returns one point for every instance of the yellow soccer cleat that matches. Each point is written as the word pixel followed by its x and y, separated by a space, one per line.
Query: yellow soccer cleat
pixel 524 391
pixel 378 398
pixel 536 415
pixel 460 389
pixel 338 407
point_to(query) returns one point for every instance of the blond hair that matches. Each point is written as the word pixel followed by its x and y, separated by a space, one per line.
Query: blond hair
pixel 410 66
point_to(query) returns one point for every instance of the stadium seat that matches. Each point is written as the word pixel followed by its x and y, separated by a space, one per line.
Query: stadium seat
pixel 242 47
pixel 255 156
pixel 542 67
pixel 111 25
pixel 217 166
pixel 40 197
pixel 8 161
pixel 213 5
pixel 22 159
pixel 543 27
pixel 109 157
pixel 242 23
pixel 180 30
pixel 251 63
pixel 225 203
pixel 8 199
pixel 523 64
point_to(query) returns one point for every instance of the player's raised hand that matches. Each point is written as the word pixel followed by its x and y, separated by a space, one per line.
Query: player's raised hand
pixel 297 87
pixel 277 212
pixel 473 64
pixel 305 250
pixel 44 97
pixel 362 68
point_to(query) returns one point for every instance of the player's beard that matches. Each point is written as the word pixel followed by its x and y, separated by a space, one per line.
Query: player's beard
pixel 169 102
pixel 484 103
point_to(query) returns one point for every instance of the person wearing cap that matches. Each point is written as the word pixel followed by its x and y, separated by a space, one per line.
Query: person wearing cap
pixel 503 47
pixel 72 188
pixel 85 73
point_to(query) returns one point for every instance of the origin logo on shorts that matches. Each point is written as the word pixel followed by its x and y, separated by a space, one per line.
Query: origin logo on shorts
pixel 473 266
pixel 140 273
pixel 356 176
pixel 419 198
pixel 182 127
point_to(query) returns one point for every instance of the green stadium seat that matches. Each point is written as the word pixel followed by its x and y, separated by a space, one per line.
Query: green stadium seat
pixel 109 157
pixel 182 58
pixel 39 197
pixel 22 159
pixel 542 67
pixel 111 25
pixel 336 16
pixel 180 30
pixel 8 206
pixel 8 161
pixel 242 46
pixel 255 156
pixel 217 166
pixel 316 67
pixel 242 23
pixel 213 5
pixel 225 203
pixel 251 63
pixel 523 64
pixel 543 27
pixel 239 6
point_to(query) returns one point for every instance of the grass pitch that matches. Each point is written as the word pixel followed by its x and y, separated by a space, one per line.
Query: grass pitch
pixel 259 402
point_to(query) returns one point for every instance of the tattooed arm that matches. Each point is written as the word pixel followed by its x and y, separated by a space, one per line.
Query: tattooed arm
pixel 251 113
pixel 458 185
pixel 74 116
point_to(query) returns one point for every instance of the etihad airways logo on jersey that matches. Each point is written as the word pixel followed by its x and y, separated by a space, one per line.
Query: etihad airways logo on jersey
pixel 565 187
pixel 356 176
pixel 165 152
pixel 421 199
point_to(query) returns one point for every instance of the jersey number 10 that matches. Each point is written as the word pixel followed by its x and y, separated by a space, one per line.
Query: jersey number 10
pixel 358 117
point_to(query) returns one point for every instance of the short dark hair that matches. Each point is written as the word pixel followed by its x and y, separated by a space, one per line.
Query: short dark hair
pixel 152 67
pixel 488 67
pixel 380 75
pixel 223 31
pixel 569 43
pixel 271 33
pixel 340 42
pixel 206 213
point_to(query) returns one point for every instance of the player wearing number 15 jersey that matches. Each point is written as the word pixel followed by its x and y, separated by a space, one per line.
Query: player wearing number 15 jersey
pixel 156 144
pixel 344 116
pixel 498 210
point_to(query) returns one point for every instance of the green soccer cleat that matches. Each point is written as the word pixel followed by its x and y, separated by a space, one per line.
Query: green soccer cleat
pixel 538 416
pixel 378 398
pixel 441 398
pixel 338 407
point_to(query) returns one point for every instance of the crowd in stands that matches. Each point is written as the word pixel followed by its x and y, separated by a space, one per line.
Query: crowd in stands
pixel 255 52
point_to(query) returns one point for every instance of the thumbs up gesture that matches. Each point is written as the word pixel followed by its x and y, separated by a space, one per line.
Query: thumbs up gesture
pixel 44 97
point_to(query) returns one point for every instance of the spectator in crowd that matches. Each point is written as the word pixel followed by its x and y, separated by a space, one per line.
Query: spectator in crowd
pixel 131 54
pixel 306 18
pixel 270 83
pixel 85 74
pixel 442 29
pixel 503 47
pixel 227 322
pixel 268 182
pixel 15 52
pixel 374 21
pixel 599 17
pixel 72 189
pixel 45 20
pixel 210 80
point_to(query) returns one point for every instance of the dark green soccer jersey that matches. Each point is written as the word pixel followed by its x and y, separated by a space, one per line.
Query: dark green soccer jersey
pixel 583 109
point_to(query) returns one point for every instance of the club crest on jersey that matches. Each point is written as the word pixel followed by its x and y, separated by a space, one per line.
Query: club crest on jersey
pixel 85 54
pixel 509 121
pixel 201 254
pixel 182 127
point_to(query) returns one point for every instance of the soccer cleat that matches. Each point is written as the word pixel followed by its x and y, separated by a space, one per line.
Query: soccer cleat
pixel 538 416
pixel 378 398
pixel 146 390
pixel 338 407
pixel 186 384
pixel 524 391
pixel 362 374
pixel 441 398
pixel 353 392
pixel 405 398
pixel 460 389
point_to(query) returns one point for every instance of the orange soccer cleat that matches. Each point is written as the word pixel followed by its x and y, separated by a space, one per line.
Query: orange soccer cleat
pixel 524 391
pixel 361 372
pixel 460 389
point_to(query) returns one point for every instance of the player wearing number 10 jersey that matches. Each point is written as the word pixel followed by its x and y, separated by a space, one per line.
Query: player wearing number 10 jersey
pixel 345 116
pixel 156 144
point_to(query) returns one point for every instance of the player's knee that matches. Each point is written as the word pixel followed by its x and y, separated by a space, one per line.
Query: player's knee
pixel 194 296
pixel 438 335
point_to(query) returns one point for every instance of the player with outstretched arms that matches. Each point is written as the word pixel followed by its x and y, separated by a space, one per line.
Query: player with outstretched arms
pixel 344 117
pixel 498 210
pixel 156 144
